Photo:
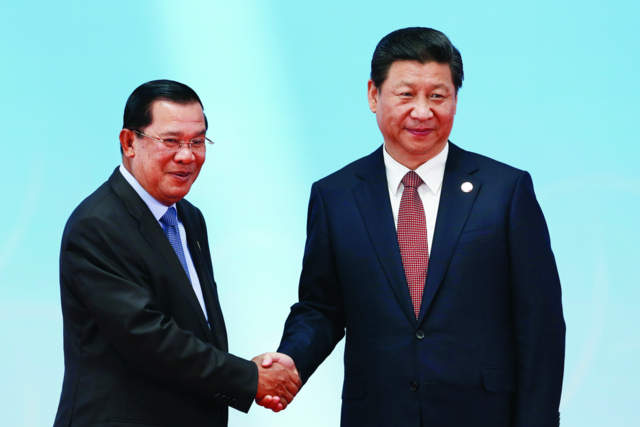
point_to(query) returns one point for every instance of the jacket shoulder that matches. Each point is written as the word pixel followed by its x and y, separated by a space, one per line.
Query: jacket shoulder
pixel 348 175
pixel 98 203
pixel 487 166
pixel 103 210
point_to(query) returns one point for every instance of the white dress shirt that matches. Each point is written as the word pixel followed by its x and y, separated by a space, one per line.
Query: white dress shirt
pixel 431 172
pixel 158 209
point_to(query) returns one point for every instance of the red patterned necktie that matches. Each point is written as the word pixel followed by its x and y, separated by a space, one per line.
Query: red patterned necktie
pixel 412 238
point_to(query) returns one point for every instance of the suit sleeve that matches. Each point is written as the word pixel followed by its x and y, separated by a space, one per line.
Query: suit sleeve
pixel 537 312
pixel 99 278
pixel 316 323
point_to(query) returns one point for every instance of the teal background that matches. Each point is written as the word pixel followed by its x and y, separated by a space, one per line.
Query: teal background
pixel 551 87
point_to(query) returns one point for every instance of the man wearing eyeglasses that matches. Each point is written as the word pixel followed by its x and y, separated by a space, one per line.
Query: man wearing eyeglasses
pixel 144 337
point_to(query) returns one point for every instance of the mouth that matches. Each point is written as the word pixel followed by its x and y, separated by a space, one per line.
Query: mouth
pixel 419 131
pixel 182 176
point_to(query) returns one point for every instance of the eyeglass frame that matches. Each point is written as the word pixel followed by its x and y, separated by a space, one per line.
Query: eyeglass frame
pixel 190 143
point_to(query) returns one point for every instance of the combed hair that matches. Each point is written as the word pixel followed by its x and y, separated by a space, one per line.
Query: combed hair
pixel 415 44
pixel 137 111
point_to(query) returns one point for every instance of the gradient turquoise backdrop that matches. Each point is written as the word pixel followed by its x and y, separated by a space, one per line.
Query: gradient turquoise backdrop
pixel 551 87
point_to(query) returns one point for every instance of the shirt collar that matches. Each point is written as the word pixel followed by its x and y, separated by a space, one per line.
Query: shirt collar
pixel 431 172
pixel 156 208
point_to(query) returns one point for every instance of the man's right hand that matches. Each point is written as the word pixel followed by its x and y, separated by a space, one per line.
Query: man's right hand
pixel 278 380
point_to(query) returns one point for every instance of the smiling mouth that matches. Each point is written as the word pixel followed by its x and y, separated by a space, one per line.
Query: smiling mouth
pixel 419 131
pixel 183 176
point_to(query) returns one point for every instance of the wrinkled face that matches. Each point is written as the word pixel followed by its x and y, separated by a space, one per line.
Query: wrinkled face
pixel 167 175
pixel 414 107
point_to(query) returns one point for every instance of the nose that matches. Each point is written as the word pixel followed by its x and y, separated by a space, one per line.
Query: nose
pixel 421 109
pixel 184 154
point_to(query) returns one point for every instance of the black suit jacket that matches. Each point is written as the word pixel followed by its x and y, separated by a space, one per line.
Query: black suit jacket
pixel 488 346
pixel 138 350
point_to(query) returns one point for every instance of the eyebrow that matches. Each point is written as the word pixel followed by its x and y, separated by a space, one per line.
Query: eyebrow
pixel 177 133
pixel 411 84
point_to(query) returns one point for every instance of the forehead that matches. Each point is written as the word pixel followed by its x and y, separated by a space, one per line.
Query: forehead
pixel 414 72
pixel 165 112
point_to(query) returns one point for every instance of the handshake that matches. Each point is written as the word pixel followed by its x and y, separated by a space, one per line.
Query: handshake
pixel 278 380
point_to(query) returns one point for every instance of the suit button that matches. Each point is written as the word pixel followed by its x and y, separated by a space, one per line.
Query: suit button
pixel 413 386
pixel 419 334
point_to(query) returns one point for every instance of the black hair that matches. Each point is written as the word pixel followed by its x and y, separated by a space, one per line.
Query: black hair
pixel 415 44
pixel 137 111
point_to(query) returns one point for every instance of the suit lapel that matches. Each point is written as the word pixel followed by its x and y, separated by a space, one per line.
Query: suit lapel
pixel 372 197
pixel 196 248
pixel 453 210
pixel 153 234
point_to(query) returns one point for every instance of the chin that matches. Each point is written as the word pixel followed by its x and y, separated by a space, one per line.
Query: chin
pixel 426 147
pixel 181 196
pixel 175 196
pixel 421 150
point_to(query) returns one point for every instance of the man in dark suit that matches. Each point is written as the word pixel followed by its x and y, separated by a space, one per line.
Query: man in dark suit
pixel 144 337
pixel 434 261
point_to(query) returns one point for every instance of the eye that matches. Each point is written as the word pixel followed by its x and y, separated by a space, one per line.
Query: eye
pixel 197 142
pixel 437 96
pixel 171 141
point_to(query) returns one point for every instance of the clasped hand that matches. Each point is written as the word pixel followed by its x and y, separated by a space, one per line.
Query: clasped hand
pixel 278 380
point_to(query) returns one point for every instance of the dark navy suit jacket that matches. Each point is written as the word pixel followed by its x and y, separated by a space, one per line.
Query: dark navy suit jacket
pixel 488 346
pixel 138 349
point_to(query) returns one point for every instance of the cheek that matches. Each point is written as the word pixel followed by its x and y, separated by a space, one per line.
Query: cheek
pixel 199 163
pixel 393 119
pixel 155 168
pixel 446 116
pixel 200 160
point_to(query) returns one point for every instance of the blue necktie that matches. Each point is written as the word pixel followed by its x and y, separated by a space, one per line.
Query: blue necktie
pixel 169 223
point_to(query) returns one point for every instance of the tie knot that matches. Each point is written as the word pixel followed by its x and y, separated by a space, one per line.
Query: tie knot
pixel 411 179
pixel 170 217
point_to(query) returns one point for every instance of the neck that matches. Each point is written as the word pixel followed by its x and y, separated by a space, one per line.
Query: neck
pixel 414 161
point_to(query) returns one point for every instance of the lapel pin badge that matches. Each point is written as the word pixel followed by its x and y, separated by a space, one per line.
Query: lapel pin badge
pixel 198 244
pixel 466 187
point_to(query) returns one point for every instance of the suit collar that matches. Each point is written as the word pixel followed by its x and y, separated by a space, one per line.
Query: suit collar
pixel 453 211
pixel 201 260
pixel 157 209
pixel 431 172
pixel 372 198
pixel 152 232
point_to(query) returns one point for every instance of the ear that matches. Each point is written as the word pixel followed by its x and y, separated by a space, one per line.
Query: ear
pixel 127 136
pixel 372 95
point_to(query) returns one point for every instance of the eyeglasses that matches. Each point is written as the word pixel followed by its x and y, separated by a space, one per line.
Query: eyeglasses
pixel 197 145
